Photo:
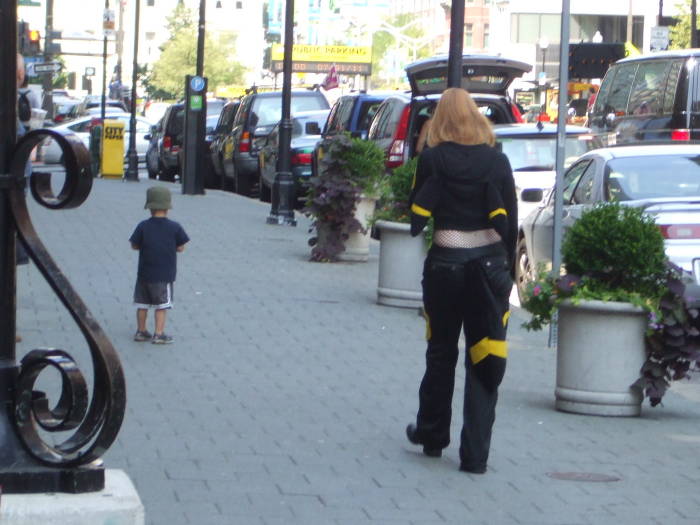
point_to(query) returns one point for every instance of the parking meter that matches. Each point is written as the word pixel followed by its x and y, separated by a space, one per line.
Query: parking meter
pixel 193 159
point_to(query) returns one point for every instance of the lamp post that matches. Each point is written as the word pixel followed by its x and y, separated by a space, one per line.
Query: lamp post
pixel 281 209
pixel 132 171
pixel 454 59
pixel 543 43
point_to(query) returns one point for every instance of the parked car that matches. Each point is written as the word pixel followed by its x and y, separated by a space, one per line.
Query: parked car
pixel 221 139
pixel 306 132
pixel 65 109
pixel 52 154
pixel 662 179
pixel 162 157
pixel 95 101
pixel 257 115
pixel 649 98
pixel 486 77
pixel 211 179
pixel 389 128
pixel 531 151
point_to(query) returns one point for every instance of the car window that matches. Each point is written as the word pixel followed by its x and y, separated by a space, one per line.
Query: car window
pixel 242 113
pixel 616 101
pixel 367 111
pixel 584 190
pixel 379 122
pixel 572 177
pixel 268 110
pixel 528 153
pixel 672 85
pixel 341 116
pixel 634 178
pixel 648 88
pixel 80 127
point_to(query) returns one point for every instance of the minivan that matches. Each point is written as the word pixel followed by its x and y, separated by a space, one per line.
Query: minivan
pixel 649 98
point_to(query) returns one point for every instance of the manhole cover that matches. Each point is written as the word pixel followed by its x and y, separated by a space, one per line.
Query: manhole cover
pixel 582 476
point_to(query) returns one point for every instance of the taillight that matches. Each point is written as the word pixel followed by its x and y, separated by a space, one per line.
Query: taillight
pixel 59 118
pixel 167 142
pixel 301 158
pixel 244 144
pixel 516 113
pixel 680 231
pixel 680 134
pixel 395 158
pixel 94 122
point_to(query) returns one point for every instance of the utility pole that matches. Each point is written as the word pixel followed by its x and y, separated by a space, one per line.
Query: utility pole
pixel 103 102
pixel 454 61
pixel 48 77
pixel 132 171
pixel 693 24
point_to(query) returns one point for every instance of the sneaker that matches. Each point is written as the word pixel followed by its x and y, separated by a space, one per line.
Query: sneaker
pixel 161 339
pixel 141 336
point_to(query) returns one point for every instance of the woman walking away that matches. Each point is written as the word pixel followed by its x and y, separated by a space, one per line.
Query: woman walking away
pixel 467 186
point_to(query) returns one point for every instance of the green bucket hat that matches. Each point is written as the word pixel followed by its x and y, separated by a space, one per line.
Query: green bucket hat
pixel 158 198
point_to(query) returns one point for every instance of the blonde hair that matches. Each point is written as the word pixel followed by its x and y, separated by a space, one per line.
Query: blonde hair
pixel 457 119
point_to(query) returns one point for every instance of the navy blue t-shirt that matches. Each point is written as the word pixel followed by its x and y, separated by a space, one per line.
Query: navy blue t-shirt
pixel 158 239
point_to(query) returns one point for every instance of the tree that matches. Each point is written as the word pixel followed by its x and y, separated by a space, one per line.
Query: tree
pixel 179 57
pixel 680 32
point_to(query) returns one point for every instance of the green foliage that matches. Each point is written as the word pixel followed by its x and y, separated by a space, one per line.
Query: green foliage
pixel 679 33
pixel 348 168
pixel 179 58
pixel 619 247
pixel 616 253
pixel 393 202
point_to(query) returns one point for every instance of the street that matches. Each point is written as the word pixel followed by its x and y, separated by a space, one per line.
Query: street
pixel 285 396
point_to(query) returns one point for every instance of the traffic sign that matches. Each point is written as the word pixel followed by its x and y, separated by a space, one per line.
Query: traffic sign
pixel 659 38
pixel 47 67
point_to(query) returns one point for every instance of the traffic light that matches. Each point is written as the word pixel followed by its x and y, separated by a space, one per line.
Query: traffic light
pixel 34 43
pixel 22 38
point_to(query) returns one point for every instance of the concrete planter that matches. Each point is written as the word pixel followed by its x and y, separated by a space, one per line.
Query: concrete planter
pixel 601 350
pixel 357 244
pixel 400 266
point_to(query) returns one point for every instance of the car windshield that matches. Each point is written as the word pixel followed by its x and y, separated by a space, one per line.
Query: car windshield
pixel 649 177
pixel 538 153
pixel 269 109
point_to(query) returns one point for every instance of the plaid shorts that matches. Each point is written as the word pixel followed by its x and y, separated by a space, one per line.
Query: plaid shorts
pixel 153 295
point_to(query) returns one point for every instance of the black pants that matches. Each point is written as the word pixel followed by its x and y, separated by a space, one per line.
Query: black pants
pixel 464 288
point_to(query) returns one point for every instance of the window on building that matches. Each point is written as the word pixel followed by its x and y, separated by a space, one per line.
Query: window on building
pixel 239 5
pixel 468 35
pixel 151 3
pixel 487 34
pixel 150 35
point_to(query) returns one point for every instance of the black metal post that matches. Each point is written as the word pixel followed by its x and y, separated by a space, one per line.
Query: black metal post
pixel 103 102
pixel 454 61
pixel 48 77
pixel 283 194
pixel 132 171
pixel 200 39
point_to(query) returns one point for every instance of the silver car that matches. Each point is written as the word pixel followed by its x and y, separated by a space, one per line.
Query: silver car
pixel 662 179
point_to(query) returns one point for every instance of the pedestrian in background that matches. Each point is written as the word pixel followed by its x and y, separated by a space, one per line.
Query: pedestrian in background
pixel 158 240
pixel 467 186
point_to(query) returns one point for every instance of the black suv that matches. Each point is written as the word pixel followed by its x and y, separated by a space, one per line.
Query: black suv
pixel 651 97
pixel 255 118
pixel 166 140
pixel 221 139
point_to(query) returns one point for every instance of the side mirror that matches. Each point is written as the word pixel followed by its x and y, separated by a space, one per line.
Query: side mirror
pixel 312 128
pixel 532 195
pixel 610 120
pixel 147 136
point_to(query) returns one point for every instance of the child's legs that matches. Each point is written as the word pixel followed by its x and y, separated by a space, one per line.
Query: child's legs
pixel 160 320
pixel 141 316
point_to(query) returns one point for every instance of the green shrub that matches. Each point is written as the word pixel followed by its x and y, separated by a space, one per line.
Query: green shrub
pixel 618 248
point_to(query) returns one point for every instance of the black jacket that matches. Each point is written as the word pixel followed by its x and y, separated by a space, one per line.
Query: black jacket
pixel 465 188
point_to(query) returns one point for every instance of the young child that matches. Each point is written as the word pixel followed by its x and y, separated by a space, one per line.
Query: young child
pixel 158 240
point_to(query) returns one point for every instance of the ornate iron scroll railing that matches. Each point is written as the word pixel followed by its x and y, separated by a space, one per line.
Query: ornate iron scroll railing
pixel 95 425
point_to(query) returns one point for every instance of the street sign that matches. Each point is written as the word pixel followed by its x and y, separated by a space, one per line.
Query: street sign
pixel 47 67
pixel 659 38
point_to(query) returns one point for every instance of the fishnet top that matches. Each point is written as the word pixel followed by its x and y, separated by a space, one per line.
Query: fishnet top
pixel 464 239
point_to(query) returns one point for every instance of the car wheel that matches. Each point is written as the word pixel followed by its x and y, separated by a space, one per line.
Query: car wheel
pixel 265 192
pixel 211 179
pixel 244 184
pixel 168 175
pixel 523 270
pixel 152 174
